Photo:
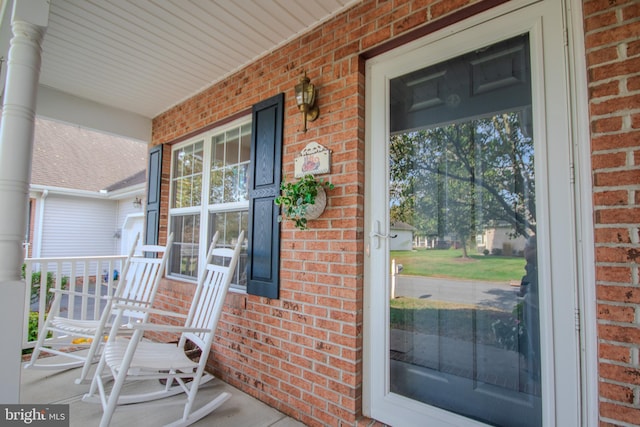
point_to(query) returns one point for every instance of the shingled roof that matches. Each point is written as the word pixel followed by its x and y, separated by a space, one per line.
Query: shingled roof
pixel 72 157
pixel 138 178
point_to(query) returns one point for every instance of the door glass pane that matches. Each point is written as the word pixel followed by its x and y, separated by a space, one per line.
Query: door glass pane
pixel 464 324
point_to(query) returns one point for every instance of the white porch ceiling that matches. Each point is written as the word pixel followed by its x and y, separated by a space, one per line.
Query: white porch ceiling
pixel 145 56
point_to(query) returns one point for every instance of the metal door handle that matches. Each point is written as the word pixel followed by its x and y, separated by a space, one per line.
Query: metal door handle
pixel 376 234
pixel 385 236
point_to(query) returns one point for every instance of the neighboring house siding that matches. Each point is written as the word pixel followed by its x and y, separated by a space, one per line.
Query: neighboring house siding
pixel 78 226
pixel 125 208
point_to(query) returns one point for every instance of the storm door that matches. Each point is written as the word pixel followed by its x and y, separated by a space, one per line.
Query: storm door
pixel 471 269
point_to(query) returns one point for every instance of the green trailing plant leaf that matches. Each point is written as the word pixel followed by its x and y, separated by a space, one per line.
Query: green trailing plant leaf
pixel 296 197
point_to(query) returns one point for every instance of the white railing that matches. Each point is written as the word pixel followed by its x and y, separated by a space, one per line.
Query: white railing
pixel 94 276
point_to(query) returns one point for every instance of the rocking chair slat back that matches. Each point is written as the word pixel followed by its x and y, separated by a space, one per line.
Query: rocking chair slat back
pixel 139 359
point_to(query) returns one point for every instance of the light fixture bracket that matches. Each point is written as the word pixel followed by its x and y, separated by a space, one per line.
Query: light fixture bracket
pixel 306 96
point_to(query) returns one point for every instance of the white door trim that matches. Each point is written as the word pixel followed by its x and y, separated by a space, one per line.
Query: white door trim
pixel 581 137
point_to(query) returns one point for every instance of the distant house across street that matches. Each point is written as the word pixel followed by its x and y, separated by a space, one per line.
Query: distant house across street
pixel 501 240
pixel 403 236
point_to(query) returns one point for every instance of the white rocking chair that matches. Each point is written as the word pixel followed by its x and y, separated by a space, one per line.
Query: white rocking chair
pixel 136 289
pixel 135 359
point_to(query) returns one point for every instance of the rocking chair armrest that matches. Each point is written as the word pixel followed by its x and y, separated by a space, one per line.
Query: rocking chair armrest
pixel 147 309
pixel 157 327
pixel 119 301
pixel 164 312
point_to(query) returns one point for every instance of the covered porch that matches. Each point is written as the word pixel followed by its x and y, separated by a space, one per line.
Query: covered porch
pixel 58 387
pixel 311 337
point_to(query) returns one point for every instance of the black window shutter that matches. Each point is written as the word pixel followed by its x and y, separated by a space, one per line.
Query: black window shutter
pixel 153 195
pixel 265 174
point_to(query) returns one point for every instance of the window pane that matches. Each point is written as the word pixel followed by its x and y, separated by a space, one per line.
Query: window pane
pixel 178 158
pixel 184 251
pixel 197 157
pixel 217 189
pixel 243 184
pixel 245 143
pixel 176 202
pixel 187 191
pixel 229 225
pixel 196 190
pixel 218 151
pixel 228 185
pixel 187 176
pixel 233 142
pixel 229 164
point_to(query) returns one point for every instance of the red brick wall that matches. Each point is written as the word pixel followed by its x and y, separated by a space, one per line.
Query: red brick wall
pixel 302 354
pixel 613 61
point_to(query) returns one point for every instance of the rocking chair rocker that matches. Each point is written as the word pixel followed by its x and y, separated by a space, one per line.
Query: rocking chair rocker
pixel 135 359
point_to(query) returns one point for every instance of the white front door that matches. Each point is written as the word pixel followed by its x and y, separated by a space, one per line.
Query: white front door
pixel 467 133
pixel 133 226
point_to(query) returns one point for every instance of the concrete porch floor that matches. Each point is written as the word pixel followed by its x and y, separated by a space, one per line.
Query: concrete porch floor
pixel 58 387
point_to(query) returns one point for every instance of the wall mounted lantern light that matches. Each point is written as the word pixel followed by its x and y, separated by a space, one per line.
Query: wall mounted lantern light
pixel 306 98
pixel 137 203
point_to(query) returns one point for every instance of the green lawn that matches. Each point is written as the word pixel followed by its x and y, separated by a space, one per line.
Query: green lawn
pixel 457 321
pixel 449 263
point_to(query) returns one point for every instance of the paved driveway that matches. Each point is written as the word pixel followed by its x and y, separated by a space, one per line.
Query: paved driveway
pixel 488 294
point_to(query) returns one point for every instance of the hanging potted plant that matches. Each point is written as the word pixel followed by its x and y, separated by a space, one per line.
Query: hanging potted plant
pixel 303 200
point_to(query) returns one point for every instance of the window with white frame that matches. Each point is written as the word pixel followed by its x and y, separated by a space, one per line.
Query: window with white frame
pixel 209 194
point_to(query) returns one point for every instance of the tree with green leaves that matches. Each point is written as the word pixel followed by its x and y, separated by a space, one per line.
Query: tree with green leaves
pixel 460 178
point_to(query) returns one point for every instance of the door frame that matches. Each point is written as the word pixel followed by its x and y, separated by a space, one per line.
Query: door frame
pixel 570 24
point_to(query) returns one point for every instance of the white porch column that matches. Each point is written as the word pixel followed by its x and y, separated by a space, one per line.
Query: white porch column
pixel 16 145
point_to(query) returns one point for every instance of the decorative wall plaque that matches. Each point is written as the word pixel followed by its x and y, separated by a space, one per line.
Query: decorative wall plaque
pixel 314 159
